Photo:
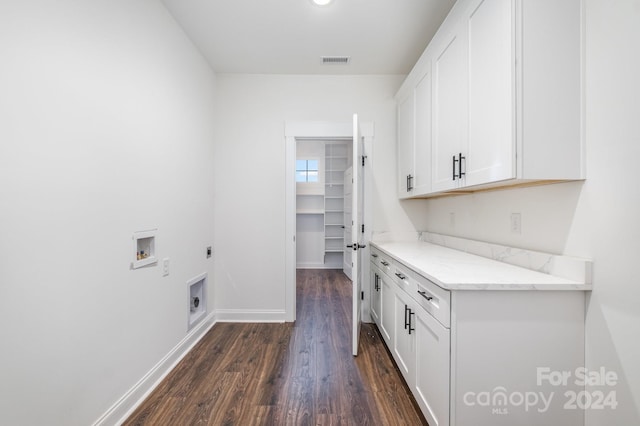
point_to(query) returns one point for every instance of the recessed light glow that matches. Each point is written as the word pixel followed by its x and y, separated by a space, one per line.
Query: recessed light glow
pixel 321 2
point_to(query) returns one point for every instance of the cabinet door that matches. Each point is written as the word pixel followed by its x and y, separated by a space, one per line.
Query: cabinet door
pixel 422 142
pixel 432 369
pixel 386 314
pixel 405 145
pixel 449 108
pixel 404 336
pixel 491 147
pixel 376 292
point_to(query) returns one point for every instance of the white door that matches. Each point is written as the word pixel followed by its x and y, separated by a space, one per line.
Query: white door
pixel 348 205
pixel 357 237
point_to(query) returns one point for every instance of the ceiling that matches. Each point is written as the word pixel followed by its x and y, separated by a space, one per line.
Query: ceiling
pixel 291 36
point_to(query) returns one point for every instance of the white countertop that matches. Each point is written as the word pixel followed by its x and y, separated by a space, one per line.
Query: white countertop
pixel 456 270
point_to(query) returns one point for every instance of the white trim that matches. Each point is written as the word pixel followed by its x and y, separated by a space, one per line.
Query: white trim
pixel 124 407
pixel 290 229
pixel 319 266
pixel 250 315
pixel 325 130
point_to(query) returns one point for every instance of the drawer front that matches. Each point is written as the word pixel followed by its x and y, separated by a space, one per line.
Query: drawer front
pixel 375 257
pixel 403 277
pixel 385 263
pixel 433 298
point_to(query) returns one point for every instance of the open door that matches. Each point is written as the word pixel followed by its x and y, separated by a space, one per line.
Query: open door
pixel 348 205
pixel 357 237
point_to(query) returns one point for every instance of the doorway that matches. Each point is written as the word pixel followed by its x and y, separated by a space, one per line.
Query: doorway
pixel 323 203
pixel 335 133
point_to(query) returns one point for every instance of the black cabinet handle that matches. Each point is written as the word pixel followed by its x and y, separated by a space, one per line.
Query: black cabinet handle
pixel 424 294
pixel 409 183
pixel 410 327
pixel 374 255
pixel 406 311
pixel 399 275
pixel 455 160
pixel 384 263
pixel 460 158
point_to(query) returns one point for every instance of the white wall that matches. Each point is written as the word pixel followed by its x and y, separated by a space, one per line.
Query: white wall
pixel 105 129
pixel 250 174
pixel 595 219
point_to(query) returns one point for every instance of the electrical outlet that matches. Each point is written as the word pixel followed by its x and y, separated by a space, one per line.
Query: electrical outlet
pixel 165 266
pixel 516 223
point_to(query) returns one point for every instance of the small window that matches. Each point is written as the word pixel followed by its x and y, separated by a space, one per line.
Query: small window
pixel 306 170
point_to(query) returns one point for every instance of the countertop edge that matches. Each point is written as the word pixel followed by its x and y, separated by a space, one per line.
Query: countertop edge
pixel 565 285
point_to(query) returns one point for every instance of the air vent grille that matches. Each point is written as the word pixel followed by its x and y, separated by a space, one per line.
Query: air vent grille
pixel 335 60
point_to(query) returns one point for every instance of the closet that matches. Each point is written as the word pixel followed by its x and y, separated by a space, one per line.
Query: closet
pixel 320 203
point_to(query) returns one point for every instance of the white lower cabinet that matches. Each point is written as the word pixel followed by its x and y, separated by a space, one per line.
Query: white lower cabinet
pixel 376 295
pixel 475 357
pixel 432 354
pixel 404 335
pixel 386 315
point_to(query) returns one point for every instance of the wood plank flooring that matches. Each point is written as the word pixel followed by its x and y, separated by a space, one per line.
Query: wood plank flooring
pixel 287 374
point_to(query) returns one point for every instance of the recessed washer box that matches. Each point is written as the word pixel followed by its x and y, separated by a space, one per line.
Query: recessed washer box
pixel 144 248
pixel 197 299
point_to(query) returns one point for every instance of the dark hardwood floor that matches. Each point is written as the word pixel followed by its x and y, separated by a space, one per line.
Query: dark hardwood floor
pixel 287 374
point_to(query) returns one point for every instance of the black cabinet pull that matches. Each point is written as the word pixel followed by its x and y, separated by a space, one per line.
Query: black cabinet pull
pixel 424 294
pixel 399 275
pixel 374 255
pixel 384 263
pixel 455 160
pixel 409 183
pixel 410 327
pixel 406 321
pixel 460 158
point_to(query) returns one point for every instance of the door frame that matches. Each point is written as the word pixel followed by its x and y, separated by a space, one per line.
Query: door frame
pixel 295 131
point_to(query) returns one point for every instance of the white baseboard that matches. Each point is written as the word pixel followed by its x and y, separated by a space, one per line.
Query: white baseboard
pixel 123 408
pixel 319 266
pixel 250 315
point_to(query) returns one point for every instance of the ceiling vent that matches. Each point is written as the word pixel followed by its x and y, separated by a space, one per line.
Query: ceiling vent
pixel 339 60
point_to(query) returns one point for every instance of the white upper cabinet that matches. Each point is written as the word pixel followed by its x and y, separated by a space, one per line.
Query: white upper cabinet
pixel 406 133
pixel 490 152
pixel 414 138
pixel 423 133
pixel 506 100
pixel 449 112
